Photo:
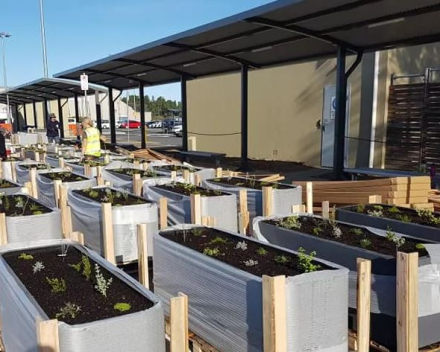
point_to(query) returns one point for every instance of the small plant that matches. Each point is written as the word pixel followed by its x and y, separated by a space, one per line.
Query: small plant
pixel 375 213
pixel 360 208
pixel 219 240
pixel 38 266
pixel 197 231
pixel 403 218
pixel 336 232
pixel 25 256
pixel 250 262
pixel 212 252
pixel 261 251
pixel 428 216
pixel 365 243
pixel 102 284
pixel 69 310
pixel 281 259
pixel 317 231
pixel 64 250
pixel 378 207
pixel 306 261
pixel 394 210
pixel 241 245
pixel 87 267
pixel 391 236
pixel 58 285
pixel 420 246
pixel 122 307
pixel 356 231
pixel 77 267
pixel 291 222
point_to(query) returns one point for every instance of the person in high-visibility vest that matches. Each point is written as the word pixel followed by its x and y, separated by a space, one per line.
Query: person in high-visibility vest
pixel 91 140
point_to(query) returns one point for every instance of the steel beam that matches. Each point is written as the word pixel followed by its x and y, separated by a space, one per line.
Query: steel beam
pixel 183 83
pixel 142 113
pixel 25 114
pixel 112 116
pixel 46 112
pixel 61 117
pixel 34 105
pixel 244 117
pixel 98 113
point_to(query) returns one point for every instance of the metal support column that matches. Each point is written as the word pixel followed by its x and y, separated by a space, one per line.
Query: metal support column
pixel 25 114
pixel 34 105
pixel 112 116
pixel 61 118
pixel 184 114
pixel 98 112
pixel 17 120
pixel 142 112
pixel 340 115
pixel 244 118
pixel 78 137
pixel 46 113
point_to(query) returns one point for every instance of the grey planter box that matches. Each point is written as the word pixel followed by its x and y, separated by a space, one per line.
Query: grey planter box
pixel 383 321
pixel 137 332
pixel 225 303
pixel 421 231
pixel 11 190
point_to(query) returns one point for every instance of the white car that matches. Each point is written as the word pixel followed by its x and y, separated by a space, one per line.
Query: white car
pixel 105 124
pixel 177 130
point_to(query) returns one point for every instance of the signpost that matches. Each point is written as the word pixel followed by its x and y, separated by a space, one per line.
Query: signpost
pixel 85 88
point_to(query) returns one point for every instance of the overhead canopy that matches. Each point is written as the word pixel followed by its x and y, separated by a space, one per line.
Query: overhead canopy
pixel 281 32
pixel 46 89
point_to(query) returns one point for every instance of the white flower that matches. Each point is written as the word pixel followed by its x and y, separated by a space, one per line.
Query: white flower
pixel 241 245
pixel 38 266
pixel 251 262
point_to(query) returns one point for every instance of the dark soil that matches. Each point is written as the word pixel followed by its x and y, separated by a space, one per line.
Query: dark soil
pixel 349 236
pixel 199 240
pixel 64 176
pixel 177 168
pixel 21 205
pixel 92 163
pixel 130 172
pixel 7 184
pixel 188 189
pixel 248 183
pixel 399 213
pixel 35 166
pixel 108 195
pixel 11 159
pixel 93 305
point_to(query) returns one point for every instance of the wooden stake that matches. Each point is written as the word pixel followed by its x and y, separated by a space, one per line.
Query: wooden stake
pixel 107 232
pixel 143 255
pixel 37 156
pixel 186 176
pixel 179 341
pixel 13 171
pixel 363 304
pixel 163 213
pixel 27 188
pixel 136 163
pixel 56 191
pixel 3 230
pixel 98 171
pixel 47 336
pixel 100 181
pixel 62 196
pixel 197 180
pixel 243 216
pixel 267 201
pixel 78 237
pixel 407 302
pixel 61 163
pixel 326 210
pixel 375 199
pixel 310 197
pixel 87 170
pixel 196 209
pixel 274 314
pixel 218 172
pixel 66 220
pixel 173 175
pixel 298 208
pixel 1 169
pixel 33 180
pixel 137 185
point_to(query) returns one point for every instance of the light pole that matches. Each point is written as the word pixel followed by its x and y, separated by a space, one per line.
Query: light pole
pixel 3 36
pixel 43 39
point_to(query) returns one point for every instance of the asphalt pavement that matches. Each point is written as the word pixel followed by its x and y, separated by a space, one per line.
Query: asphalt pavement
pixel 155 138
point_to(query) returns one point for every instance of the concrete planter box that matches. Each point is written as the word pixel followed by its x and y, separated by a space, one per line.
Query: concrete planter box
pixel 225 304
pixel 383 317
pixel 136 332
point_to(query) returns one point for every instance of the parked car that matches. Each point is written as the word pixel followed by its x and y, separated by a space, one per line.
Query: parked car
pixel 154 124
pixel 177 130
pixel 121 121
pixel 105 124
pixel 131 124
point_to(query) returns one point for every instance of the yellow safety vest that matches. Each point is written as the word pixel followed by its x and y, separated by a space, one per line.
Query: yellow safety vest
pixel 93 146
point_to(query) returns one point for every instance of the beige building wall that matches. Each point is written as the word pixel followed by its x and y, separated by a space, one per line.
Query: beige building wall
pixel 285 104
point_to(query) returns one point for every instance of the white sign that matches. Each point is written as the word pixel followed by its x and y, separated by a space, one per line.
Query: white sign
pixel 84 82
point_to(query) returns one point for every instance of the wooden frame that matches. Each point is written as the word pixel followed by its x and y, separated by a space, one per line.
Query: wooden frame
pixel 163 213
pixel 107 233
pixel 243 215
pixel 179 337
pixel 196 209
pixel 267 201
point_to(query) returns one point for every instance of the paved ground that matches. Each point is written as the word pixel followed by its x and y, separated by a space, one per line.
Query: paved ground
pixel 155 138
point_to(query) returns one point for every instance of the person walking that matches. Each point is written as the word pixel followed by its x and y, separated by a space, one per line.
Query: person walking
pixel 53 129
pixel 91 140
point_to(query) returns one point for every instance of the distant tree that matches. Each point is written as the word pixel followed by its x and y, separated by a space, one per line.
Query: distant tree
pixel 158 107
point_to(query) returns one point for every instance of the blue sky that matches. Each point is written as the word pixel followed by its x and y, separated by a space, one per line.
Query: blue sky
pixel 80 31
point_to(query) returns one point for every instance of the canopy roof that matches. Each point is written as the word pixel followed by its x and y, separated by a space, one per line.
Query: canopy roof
pixel 285 31
pixel 46 88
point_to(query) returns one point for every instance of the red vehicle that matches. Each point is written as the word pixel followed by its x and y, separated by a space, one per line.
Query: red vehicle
pixel 131 124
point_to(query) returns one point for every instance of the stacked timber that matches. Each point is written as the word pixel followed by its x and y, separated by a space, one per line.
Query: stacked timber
pixel 401 191
pixel 434 198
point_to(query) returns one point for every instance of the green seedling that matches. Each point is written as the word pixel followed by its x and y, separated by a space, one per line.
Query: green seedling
pixel 219 240
pixel 76 267
pixel 360 208
pixel 403 218
pixel 212 252
pixel 69 310
pixel 261 251
pixel 251 262
pixel 122 307
pixel 394 210
pixel 87 267
pixel 197 231
pixel 25 256
pixel 57 285
pixel 291 222
pixel 317 231
pixel 306 261
pixel 392 237
pixel 420 246
pixel 365 243
pixel 102 284
pixel 281 259
pixel 356 231
pixel 378 207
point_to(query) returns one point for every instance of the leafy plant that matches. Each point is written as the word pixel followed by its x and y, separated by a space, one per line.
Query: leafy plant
pixel 241 245
pixel 365 243
pixel 197 231
pixel 87 267
pixel 219 240
pixel 281 259
pixel 360 208
pixel 317 231
pixel 394 210
pixel 306 261
pixel 403 218
pixel 420 246
pixel 356 231
pixel 58 285
pixel 69 310
pixel 336 232
pixel 261 251
pixel 250 262
pixel 428 216
pixel 77 266
pixel 25 256
pixel 38 266
pixel 102 284
pixel 391 236
pixel 290 222
pixel 122 307
pixel 378 207
pixel 375 213
pixel 212 252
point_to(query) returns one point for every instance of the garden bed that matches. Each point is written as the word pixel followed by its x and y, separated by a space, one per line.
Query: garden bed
pixel 78 166
pixel 166 170
pixel 22 170
pixel 99 308
pixel 343 243
pixel 122 177
pixel 419 223
pixel 127 211
pixel 9 187
pixel 227 313
pixel 220 205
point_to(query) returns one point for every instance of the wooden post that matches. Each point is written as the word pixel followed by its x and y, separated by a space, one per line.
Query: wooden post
pixel 197 180
pixel 173 175
pixel 3 230
pixel 186 176
pixel 107 232
pixel 27 188
pixel 163 213
pixel 87 170
pixel 56 191
pixel 100 181
pixel 375 199
pixel 33 180
pixel 13 171
pixel 143 255
pixel 62 196
pixel 137 185
pixel 274 314
pixel 407 302
pixel 196 209
pixel 243 215
pixel 136 163
pixel 37 156
pixel 78 237
pixel 1 169
pixel 179 340
pixel 298 208
pixel 61 163
pixel 363 304
pixel 326 209
pixel 218 172
pixel 66 220
pixel 309 197
pixel 98 171
pixel 267 201
pixel 47 336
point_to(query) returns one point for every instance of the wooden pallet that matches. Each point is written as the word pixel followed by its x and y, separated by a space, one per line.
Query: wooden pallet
pixel 196 343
